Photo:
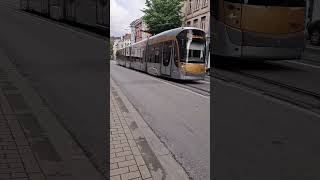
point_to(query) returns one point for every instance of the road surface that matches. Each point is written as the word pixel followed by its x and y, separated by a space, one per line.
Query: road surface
pixel 178 115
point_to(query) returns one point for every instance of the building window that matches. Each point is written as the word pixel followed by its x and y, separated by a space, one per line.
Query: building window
pixel 197 5
pixel 195 23
pixel 189 8
pixel 188 24
pixel 203 23
pixel 204 3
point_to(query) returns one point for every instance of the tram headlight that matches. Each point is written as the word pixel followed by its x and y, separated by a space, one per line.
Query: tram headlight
pixel 183 67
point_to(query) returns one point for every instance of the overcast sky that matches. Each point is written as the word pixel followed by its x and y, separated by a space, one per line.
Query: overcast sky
pixel 123 12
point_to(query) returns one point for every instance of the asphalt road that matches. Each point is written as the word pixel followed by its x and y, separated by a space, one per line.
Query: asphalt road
pixel 263 130
pixel 179 116
pixel 291 81
pixel 67 68
pixel 259 137
pixel 293 73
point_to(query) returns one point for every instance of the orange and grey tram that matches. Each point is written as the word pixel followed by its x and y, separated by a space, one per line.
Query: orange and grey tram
pixel 178 53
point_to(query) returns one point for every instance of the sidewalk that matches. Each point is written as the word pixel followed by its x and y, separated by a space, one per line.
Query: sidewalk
pixel 33 144
pixel 136 152
pixel 17 158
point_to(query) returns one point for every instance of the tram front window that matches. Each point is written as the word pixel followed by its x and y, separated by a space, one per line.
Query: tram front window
pixel 192 46
pixel 195 56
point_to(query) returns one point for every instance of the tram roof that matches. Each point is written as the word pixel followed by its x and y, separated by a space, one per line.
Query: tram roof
pixel 171 32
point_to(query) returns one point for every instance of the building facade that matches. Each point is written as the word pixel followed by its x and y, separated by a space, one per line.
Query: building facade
pixel 196 13
pixel 138 31
pixel 122 42
pixel 115 46
pixel 126 40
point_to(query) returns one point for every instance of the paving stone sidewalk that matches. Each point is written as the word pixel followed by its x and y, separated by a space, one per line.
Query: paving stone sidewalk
pixel 136 152
pixel 17 160
pixel 33 144
pixel 126 161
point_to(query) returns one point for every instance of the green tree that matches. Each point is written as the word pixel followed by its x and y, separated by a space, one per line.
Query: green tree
pixel 162 15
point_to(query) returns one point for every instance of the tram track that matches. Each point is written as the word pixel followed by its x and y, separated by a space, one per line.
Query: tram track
pixel 202 88
pixel 196 87
pixel 294 95
pixel 292 88
pixel 199 87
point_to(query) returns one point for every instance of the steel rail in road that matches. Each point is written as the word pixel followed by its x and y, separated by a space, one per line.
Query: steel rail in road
pixel 198 88
pixel 182 84
pixel 289 87
pixel 299 91
pixel 187 85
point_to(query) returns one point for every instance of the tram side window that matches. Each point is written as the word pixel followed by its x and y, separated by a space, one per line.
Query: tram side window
pixel 154 52
pixel 156 55
pixel 141 54
pixel 151 57
pixel 159 53
pixel 167 53
pixel 175 51
pixel 160 45
pixel 149 54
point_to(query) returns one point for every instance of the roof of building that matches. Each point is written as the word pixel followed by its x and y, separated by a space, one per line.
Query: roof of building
pixel 135 22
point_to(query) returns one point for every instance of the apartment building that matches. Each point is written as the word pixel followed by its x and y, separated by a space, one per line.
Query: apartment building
pixel 196 13
pixel 138 28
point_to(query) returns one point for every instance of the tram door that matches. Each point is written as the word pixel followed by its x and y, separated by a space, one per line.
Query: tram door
pixel 167 58
pixel 102 12
pixel 70 10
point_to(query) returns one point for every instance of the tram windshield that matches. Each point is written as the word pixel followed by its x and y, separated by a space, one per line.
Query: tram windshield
pixel 196 53
pixel 192 46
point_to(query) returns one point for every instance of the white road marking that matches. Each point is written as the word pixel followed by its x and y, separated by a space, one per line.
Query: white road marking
pixel 207 97
pixel 304 64
pixel 207 82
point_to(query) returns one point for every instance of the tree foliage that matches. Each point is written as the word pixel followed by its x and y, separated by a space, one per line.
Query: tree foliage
pixel 162 15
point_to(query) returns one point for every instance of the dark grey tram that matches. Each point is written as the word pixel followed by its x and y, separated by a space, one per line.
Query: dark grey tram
pixel 93 13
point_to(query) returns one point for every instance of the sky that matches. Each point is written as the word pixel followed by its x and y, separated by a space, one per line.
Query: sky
pixel 123 12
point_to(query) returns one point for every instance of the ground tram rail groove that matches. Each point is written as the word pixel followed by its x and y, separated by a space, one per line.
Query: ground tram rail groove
pixel 198 88
pixel 300 97
pixel 189 85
